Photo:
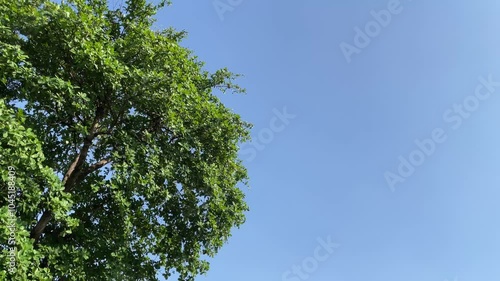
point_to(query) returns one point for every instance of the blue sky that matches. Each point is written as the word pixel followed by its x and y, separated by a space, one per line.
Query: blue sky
pixel 321 174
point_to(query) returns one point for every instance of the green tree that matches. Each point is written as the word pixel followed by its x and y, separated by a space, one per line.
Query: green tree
pixel 123 161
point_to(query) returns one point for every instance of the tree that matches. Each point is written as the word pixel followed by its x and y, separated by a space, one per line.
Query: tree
pixel 121 159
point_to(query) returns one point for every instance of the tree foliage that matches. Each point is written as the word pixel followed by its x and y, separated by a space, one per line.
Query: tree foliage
pixel 125 161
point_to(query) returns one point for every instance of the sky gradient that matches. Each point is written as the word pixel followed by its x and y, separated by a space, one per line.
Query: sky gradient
pixel 328 129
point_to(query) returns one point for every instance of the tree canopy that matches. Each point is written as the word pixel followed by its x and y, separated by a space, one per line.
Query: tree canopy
pixel 122 161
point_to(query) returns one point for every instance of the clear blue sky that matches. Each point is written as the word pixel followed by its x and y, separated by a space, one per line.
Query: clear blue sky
pixel 323 173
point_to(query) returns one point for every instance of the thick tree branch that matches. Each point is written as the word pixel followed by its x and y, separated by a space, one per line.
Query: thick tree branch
pixel 72 175
pixel 40 225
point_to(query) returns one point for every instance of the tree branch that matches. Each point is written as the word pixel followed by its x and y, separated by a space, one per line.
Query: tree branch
pixel 72 175
pixel 92 168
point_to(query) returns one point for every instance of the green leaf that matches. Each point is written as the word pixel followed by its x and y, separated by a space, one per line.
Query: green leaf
pixel 128 115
